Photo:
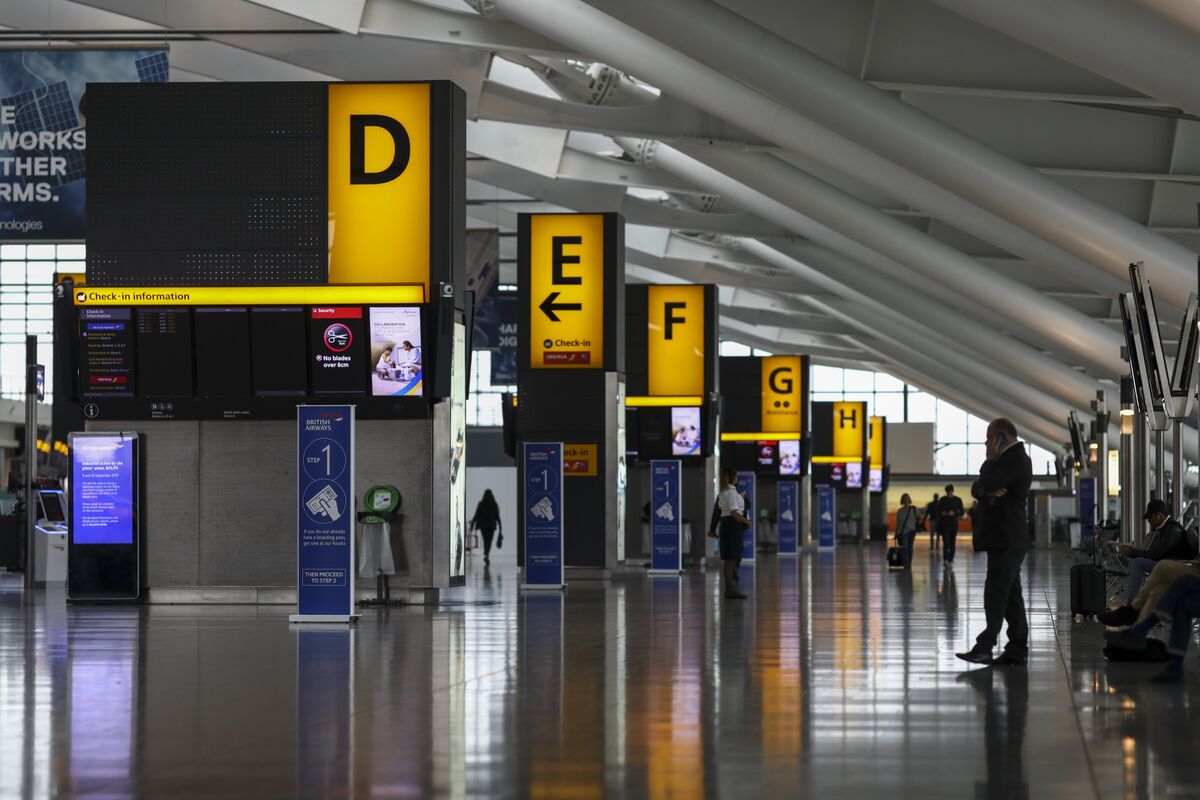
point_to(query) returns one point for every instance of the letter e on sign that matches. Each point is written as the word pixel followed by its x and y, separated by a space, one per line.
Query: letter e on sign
pixel 675 340
pixel 566 291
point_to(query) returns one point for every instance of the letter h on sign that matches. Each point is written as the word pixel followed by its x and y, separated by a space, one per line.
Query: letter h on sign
pixel 843 418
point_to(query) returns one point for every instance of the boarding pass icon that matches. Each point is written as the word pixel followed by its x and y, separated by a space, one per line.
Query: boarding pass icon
pixel 543 509
pixel 325 503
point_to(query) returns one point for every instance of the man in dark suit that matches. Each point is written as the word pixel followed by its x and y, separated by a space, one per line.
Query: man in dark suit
pixel 1002 491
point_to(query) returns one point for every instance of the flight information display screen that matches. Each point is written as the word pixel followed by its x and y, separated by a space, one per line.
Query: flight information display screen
pixel 222 357
pixel 106 362
pixel 164 352
pixel 278 344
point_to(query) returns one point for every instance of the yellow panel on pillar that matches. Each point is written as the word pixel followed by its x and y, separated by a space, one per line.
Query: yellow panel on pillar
pixel 379 183
pixel 782 395
pixel 566 290
pixel 875 441
pixel 849 419
pixel 675 354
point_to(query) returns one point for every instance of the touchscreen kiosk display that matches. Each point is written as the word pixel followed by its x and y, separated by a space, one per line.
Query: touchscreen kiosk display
pixel 164 352
pixel 395 357
pixel 280 357
pixel 789 457
pixel 685 431
pixel 52 506
pixel 339 352
pixel 223 352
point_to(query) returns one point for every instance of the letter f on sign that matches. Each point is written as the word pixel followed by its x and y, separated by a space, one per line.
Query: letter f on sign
pixel 669 318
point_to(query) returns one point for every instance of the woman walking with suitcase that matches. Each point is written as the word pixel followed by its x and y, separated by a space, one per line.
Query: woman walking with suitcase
pixel 906 528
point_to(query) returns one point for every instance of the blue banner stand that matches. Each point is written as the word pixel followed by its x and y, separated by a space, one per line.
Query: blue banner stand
pixel 325 514
pixel 666 517
pixel 542 495
pixel 787 511
pixel 826 517
pixel 747 483
pixel 1088 509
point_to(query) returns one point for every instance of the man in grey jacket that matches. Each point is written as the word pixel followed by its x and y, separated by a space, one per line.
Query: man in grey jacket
pixel 1003 532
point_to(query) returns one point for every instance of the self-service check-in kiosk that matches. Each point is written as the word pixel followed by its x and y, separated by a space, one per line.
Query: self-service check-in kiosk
pixel 51 542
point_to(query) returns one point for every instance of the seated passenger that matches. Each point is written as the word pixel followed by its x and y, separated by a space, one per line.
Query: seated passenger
pixel 1166 541
pixel 1179 605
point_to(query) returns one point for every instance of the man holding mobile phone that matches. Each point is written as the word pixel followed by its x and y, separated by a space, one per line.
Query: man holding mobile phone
pixel 1003 532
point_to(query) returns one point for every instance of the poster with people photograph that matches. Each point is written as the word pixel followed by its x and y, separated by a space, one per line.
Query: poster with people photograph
pixel 789 457
pixel 685 431
pixel 396 364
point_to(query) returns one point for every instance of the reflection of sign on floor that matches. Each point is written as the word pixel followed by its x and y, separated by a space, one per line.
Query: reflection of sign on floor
pixel 579 460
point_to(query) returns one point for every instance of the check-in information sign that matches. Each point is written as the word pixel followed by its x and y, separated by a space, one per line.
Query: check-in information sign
pixel 666 517
pixel 566 291
pixel 325 517
pixel 543 515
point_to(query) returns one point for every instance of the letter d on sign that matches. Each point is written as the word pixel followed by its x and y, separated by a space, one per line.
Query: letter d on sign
pixel 358 148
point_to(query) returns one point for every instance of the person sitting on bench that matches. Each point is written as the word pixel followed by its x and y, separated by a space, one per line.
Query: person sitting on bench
pixel 1167 541
pixel 1179 605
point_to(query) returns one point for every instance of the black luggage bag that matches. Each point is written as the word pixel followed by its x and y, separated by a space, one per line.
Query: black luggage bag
pixel 1089 595
pixel 895 558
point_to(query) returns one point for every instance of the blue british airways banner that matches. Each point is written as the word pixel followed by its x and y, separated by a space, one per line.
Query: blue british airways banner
pixel 666 516
pixel 826 517
pixel 787 512
pixel 542 496
pixel 325 517
pixel 746 482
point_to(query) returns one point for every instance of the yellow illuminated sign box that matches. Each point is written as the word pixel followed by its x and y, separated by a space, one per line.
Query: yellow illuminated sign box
pixel 675 340
pixel 572 266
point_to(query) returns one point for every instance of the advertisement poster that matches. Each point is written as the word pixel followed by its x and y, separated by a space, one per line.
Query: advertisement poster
pixel 325 516
pixel 396 351
pixel 788 514
pixel 875 480
pixel 458 452
pixel 43 143
pixel 543 516
pixel 854 474
pixel 103 486
pixel 504 338
pixel 826 517
pixel 789 457
pixel 746 485
pixel 685 431
pixel 666 517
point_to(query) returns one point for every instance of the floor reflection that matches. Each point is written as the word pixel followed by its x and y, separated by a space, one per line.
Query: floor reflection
pixel 836 678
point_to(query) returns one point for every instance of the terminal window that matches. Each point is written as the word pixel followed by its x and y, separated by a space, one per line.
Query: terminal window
pixel 27 307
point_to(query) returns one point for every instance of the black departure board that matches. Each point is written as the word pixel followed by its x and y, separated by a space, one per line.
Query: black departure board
pixel 279 353
pixel 223 352
pixel 337 341
pixel 164 352
pixel 106 364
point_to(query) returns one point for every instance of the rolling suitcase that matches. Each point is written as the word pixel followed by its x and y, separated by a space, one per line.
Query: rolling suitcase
pixel 1088 593
pixel 895 558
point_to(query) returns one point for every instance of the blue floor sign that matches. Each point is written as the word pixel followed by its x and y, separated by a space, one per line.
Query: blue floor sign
pixel 746 485
pixel 325 516
pixel 543 515
pixel 666 516
pixel 788 514
pixel 826 516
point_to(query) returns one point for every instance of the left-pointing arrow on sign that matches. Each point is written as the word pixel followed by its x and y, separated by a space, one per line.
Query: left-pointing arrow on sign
pixel 549 307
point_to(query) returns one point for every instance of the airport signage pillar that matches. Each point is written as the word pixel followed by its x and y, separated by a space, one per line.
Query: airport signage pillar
pixel 543 517
pixel 666 516
pixel 826 517
pixel 788 515
pixel 325 515
pixel 571 371
pixel 746 484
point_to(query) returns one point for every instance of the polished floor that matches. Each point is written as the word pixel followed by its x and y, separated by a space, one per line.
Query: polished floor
pixel 836 679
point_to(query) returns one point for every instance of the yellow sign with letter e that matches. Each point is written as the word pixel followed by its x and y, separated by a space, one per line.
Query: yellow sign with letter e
pixel 566 291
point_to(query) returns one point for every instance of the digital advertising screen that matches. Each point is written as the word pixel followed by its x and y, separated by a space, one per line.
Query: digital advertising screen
pixel 396 361
pixel 103 488
pixel 222 357
pixel 854 475
pixel 685 431
pixel 789 457
pixel 875 479
pixel 339 354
